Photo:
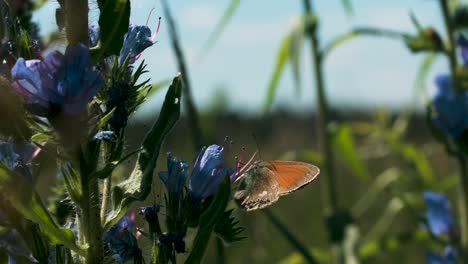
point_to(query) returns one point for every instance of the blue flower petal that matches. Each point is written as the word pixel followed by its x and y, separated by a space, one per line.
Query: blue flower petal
pixel 68 81
pixel 175 176
pixel 438 213
pixel 451 109
pixel 136 40
pixel 207 172
pixel 93 35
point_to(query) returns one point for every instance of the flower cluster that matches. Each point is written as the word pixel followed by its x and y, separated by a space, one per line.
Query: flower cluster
pixel 60 82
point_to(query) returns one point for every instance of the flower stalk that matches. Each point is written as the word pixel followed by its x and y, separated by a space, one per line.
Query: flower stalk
pixel 324 137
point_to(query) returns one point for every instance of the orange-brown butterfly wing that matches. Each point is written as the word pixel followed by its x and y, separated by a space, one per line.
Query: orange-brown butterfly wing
pixel 257 188
pixel 292 175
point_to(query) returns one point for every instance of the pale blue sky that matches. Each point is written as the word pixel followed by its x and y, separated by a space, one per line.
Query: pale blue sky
pixel 365 72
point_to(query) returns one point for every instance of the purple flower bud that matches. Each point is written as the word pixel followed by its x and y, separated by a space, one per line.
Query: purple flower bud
pixel 451 108
pixel 207 172
pixel 67 81
pixel 438 213
pixel 136 40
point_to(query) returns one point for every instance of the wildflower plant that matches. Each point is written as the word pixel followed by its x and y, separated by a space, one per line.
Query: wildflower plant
pixel 74 106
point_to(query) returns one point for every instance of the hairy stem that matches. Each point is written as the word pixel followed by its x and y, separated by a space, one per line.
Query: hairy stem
pixel 91 221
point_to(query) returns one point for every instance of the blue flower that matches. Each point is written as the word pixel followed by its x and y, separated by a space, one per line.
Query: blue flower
pixel 93 35
pixel 175 176
pixel 18 156
pixel 451 108
pixel 207 172
pixel 447 257
pixel 121 240
pixel 65 81
pixel 438 213
pixel 136 40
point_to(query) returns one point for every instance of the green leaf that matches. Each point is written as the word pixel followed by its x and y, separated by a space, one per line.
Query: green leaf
pixel 208 220
pixel 102 122
pixel 381 182
pixel 29 204
pixel 220 26
pixel 210 217
pixel 72 182
pixel 416 23
pixel 138 186
pixel 385 221
pixel 423 71
pixel 414 156
pixel 113 22
pixel 227 228
pixel 281 59
pixel 361 31
pixel 344 144
pixel 295 45
pixel 289 51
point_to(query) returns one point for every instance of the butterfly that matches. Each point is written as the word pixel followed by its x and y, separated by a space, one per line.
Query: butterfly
pixel 261 183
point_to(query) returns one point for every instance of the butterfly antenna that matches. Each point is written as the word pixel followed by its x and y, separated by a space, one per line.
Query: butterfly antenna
pixel 256 143
pixel 149 15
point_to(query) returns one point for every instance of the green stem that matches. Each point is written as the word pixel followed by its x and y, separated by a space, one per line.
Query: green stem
pixel 90 220
pixel 290 237
pixel 200 244
pixel 324 138
pixel 77 21
pixel 221 255
pixel 451 49
pixel 192 113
